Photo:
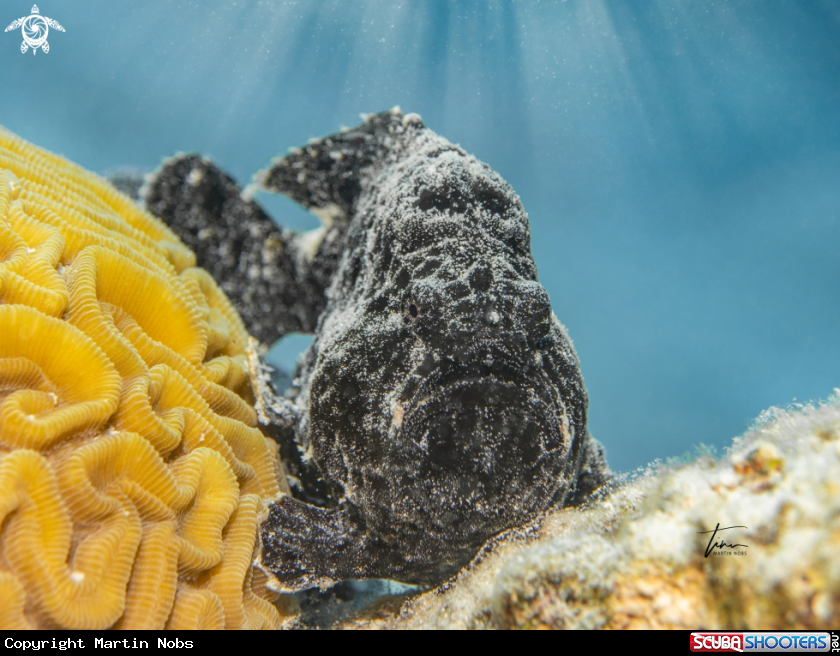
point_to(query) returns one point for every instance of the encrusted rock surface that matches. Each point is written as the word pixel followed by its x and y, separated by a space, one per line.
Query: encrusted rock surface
pixel 634 558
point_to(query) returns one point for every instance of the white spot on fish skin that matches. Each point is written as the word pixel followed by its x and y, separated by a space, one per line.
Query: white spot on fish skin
pixel 399 412
pixel 248 192
pixel 328 214
pixel 77 577
pixel 195 177
pixel 493 317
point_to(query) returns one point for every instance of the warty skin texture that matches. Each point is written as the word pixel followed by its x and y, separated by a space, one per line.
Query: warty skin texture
pixel 441 400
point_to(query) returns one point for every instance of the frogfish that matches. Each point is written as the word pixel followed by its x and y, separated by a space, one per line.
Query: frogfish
pixel 441 401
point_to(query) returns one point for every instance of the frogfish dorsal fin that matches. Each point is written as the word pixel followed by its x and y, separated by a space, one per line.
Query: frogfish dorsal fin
pixel 326 176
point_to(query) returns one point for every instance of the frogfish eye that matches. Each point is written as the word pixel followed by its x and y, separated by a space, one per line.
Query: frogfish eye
pixel 413 310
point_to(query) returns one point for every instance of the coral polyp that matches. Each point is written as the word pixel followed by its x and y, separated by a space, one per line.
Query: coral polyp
pixel 132 471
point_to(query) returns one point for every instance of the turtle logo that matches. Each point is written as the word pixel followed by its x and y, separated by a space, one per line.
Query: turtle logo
pixel 35 29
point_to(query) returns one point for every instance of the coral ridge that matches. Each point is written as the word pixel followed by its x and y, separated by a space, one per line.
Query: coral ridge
pixel 132 471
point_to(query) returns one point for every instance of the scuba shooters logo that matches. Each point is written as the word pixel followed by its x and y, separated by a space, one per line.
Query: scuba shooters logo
pixel 754 641
pixel 35 29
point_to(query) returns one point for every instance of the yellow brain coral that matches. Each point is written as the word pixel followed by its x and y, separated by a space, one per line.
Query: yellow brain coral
pixel 132 473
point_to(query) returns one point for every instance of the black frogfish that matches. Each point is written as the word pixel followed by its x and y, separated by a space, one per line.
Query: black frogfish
pixel 441 401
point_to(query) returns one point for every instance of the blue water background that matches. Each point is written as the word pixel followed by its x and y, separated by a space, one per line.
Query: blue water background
pixel 680 161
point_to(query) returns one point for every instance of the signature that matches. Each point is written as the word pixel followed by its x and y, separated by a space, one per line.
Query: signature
pixel 722 544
